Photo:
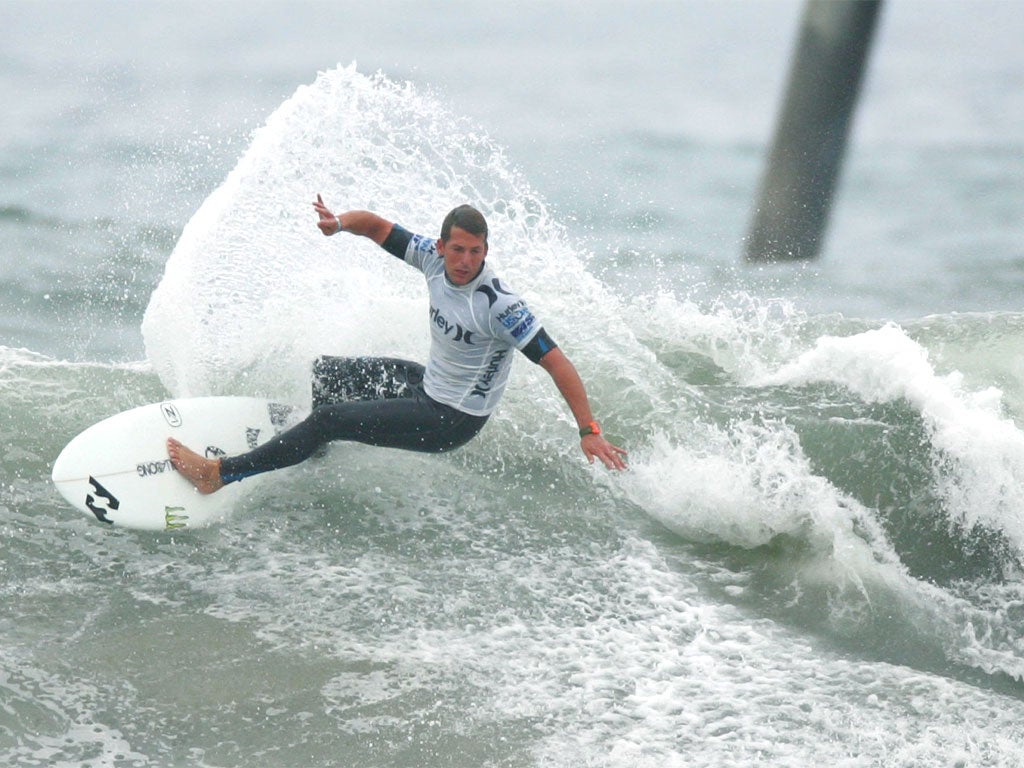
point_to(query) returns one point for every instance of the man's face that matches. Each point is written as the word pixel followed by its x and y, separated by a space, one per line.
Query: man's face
pixel 463 255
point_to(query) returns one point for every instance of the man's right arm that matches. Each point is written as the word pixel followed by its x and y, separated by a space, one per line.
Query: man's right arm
pixel 366 224
pixel 363 223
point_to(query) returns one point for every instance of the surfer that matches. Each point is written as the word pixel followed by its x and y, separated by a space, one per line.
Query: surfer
pixel 476 322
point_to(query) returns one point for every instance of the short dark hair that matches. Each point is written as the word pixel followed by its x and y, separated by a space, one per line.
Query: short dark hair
pixel 464 217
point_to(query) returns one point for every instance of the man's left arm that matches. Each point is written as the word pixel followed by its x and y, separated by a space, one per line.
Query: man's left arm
pixel 569 383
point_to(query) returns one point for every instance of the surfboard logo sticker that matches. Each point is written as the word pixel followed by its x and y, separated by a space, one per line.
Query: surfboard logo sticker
pixel 101 501
pixel 153 468
pixel 173 519
pixel 171 414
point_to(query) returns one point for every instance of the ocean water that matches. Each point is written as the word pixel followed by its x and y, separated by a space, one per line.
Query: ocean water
pixel 816 555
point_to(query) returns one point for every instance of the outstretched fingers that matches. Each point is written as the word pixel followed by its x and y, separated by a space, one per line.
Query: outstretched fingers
pixel 610 455
pixel 329 224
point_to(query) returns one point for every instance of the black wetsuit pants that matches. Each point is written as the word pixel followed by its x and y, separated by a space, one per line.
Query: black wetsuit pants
pixel 373 400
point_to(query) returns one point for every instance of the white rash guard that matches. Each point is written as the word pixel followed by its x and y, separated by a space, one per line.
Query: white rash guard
pixel 473 329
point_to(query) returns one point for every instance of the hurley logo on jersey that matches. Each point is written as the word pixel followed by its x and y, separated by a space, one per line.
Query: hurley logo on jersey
pixel 461 334
pixel 518 319
pixel 483 383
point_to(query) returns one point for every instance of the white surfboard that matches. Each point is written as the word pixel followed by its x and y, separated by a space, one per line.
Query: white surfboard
pixel 118 470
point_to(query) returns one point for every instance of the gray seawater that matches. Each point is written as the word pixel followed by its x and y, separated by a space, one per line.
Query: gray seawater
pixel 816 555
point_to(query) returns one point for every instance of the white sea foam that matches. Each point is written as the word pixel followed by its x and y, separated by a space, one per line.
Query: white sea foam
pixel 253 291
pixel 618 660
pixel 978 452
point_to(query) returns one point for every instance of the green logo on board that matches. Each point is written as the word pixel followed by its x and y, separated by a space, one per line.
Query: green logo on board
pixel 173 519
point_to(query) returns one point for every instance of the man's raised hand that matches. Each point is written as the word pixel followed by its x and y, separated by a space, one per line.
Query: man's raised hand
pixel 329 223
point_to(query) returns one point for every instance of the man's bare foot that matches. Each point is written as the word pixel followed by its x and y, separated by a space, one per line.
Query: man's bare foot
pixel 202 472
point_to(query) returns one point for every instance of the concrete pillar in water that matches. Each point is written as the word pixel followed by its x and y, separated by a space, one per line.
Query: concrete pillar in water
pixel 810 138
